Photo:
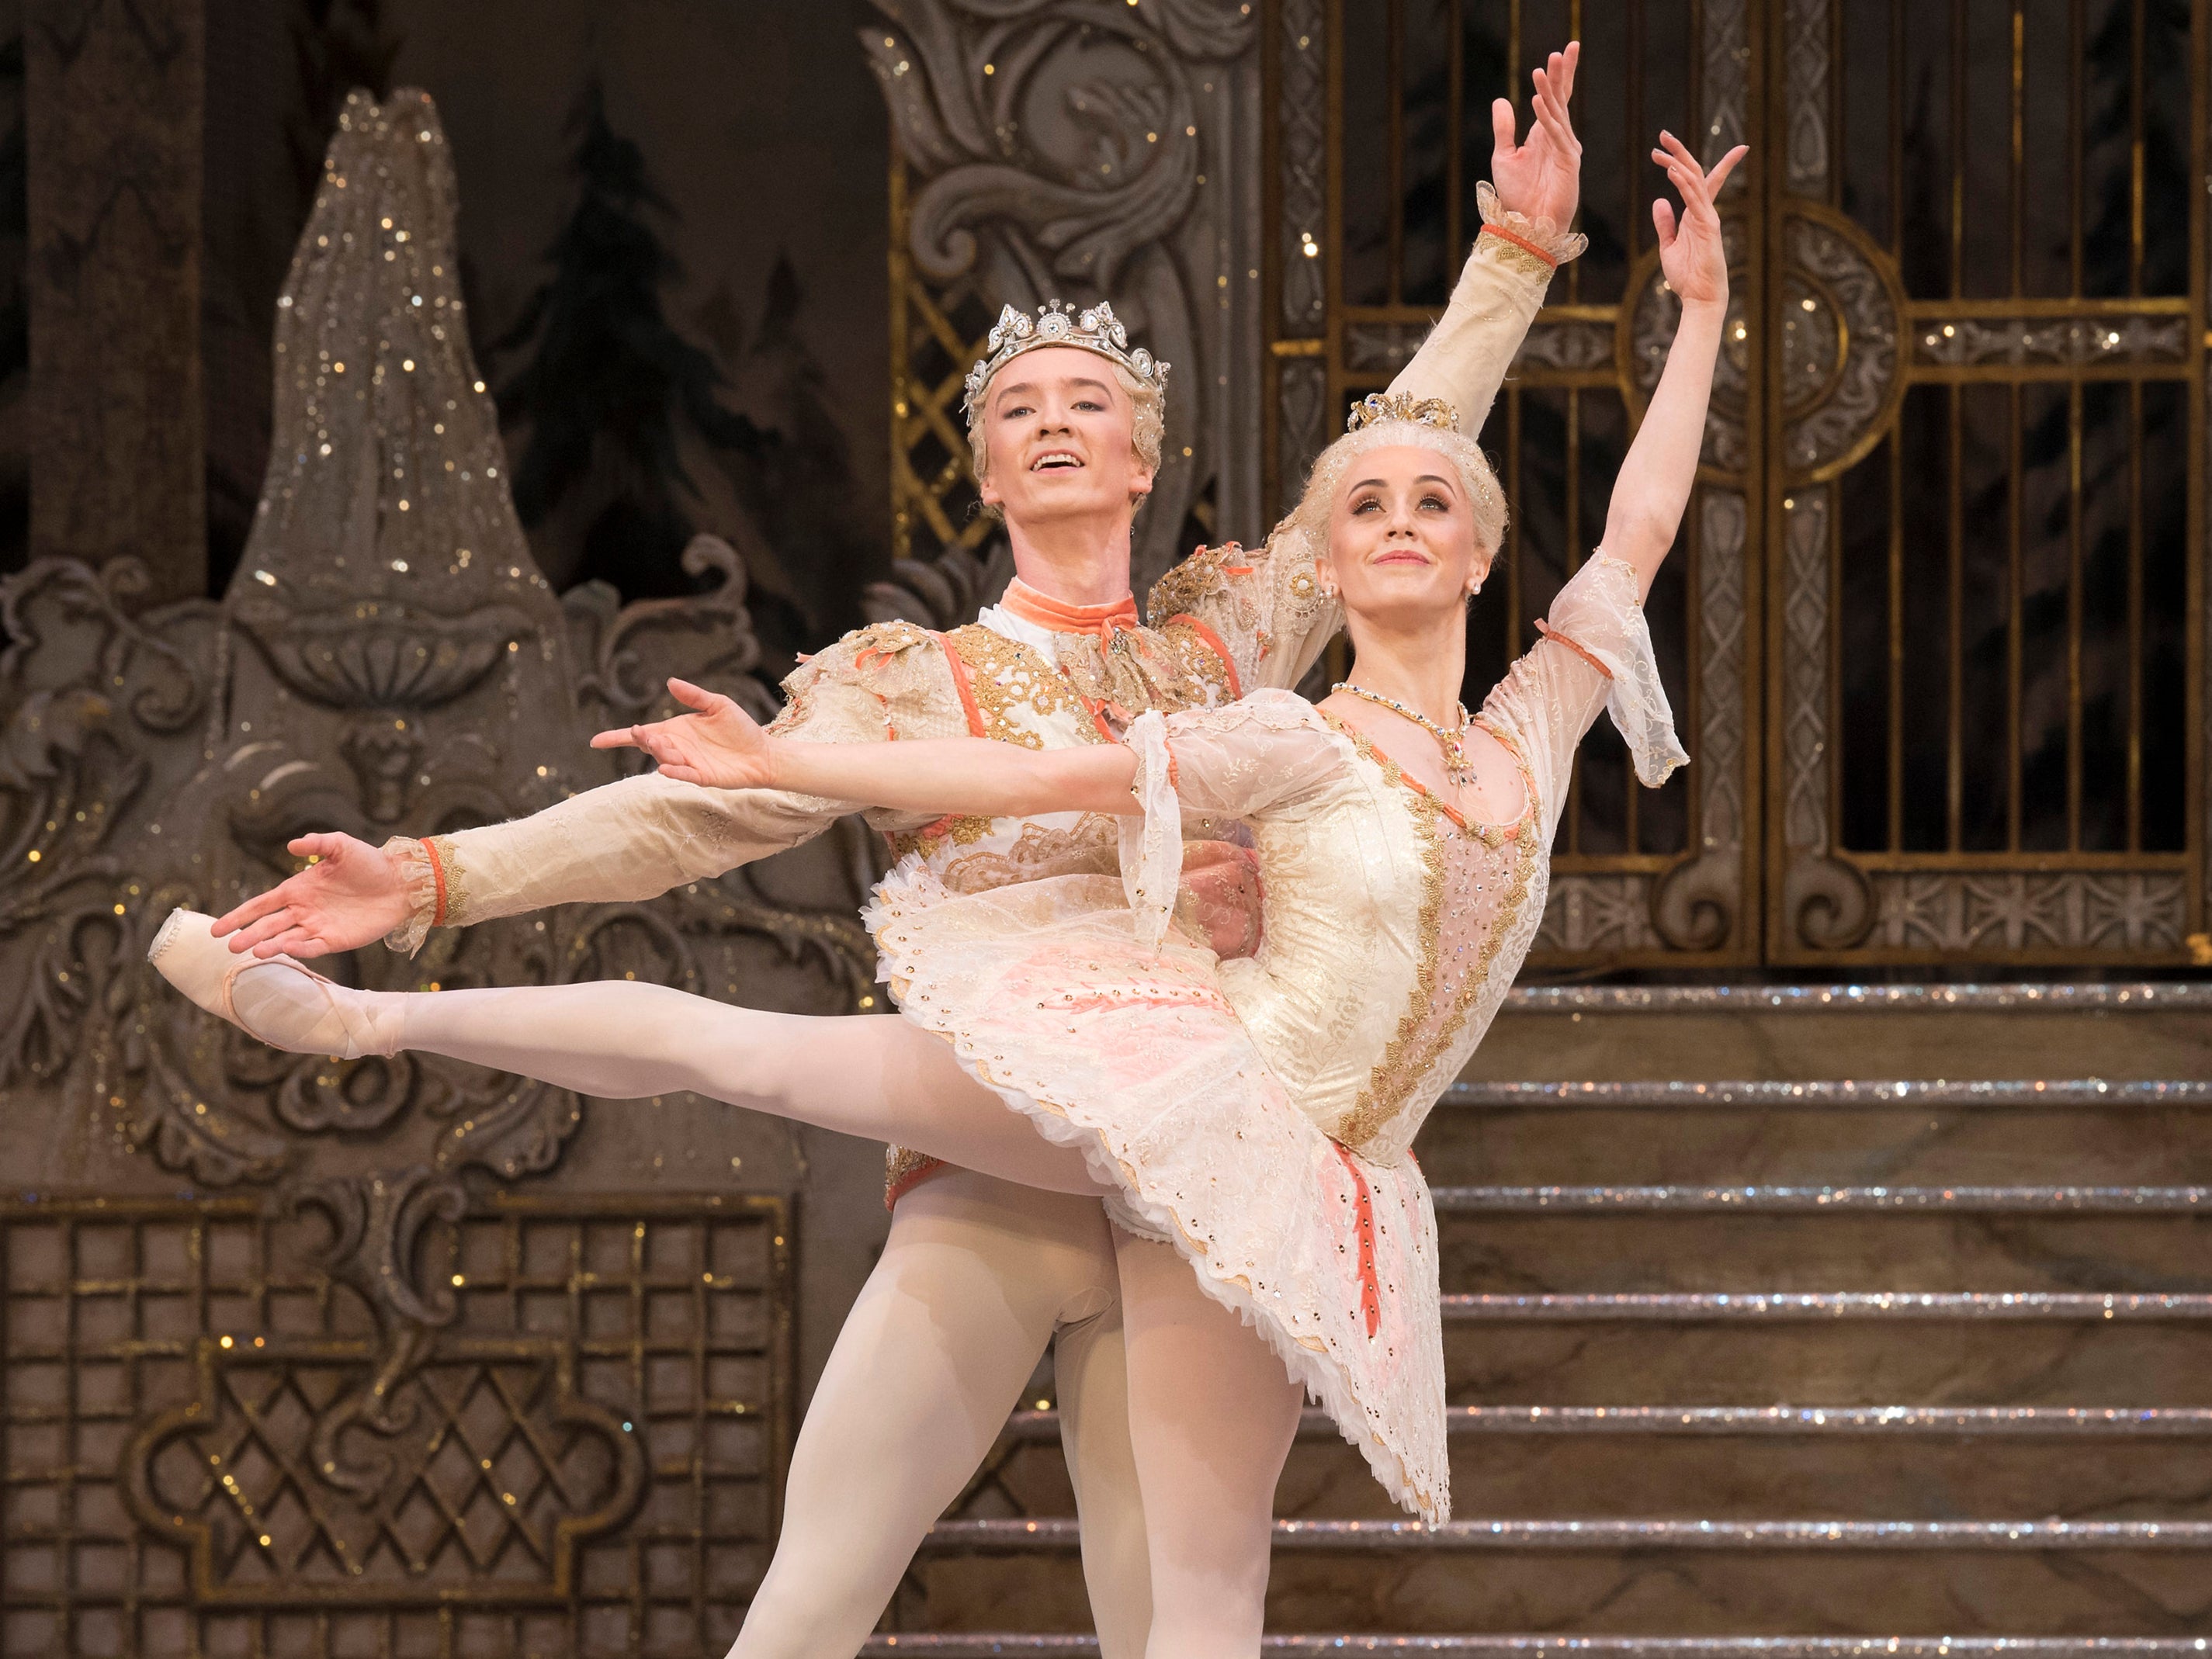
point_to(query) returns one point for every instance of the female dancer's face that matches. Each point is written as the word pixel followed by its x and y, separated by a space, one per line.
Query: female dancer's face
pixel 1402 539
pixel 1058 439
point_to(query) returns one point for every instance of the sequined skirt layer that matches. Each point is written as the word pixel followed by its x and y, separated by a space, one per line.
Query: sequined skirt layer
pixel 1139 1058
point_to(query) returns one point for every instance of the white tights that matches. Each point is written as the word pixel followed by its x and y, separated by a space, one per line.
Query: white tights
pixel 953 1318
pixel 977 1276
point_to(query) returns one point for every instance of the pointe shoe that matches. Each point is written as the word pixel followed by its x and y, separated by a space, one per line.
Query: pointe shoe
pixel 187 954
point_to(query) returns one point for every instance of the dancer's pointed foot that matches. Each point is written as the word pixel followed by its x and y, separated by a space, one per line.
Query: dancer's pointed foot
pixel 283 1002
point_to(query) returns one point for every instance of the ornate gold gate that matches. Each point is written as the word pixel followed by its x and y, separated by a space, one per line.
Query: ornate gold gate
pixel 1935 629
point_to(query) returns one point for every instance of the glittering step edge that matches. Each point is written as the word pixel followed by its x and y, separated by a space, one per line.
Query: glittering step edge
pixel 2138 996
pixel 1058 1533
pixel 964 1646
pixel 1826 1200
pixel 2031 1094
pixel 2024 1422
pixel 1729 1306
pixel 956 1645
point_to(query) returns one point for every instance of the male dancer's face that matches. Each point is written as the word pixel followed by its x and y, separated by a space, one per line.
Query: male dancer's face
pixel 1059 442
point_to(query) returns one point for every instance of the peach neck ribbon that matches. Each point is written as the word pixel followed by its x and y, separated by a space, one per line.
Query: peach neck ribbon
pixel 1102 620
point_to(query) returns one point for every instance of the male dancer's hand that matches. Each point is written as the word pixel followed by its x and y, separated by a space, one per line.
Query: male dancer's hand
pixel 1541 178
pixel 351 895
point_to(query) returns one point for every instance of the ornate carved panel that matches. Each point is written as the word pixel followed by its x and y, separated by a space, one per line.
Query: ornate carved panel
pixel 209 1450
pixel 1986 489
pixel 1059 148
pixel 351 1392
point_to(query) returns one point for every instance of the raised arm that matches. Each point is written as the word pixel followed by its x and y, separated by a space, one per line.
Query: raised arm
pixel 719 745
pixel 1265 605
pixel 1654 485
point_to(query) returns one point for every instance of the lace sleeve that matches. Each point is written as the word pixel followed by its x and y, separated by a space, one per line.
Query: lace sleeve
pixel 1253 756
pixel 1596 652
pixel 1152 837
pixel 638 837
pixel 1263 754
pixel 1263 610
pixel 421 879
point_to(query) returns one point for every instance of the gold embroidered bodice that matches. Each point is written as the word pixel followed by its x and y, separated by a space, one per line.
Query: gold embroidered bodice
pixel 1391 928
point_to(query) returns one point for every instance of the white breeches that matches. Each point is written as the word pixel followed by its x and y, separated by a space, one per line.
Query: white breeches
pixel 978 1275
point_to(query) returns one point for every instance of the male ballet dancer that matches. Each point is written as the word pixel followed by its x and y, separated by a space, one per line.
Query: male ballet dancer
pixel 978 1275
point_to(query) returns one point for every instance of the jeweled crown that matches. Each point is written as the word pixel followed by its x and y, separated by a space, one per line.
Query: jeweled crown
pixel 1379 406
pixel 1093 328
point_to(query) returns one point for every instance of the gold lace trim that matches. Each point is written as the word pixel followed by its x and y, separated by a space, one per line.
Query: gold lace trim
pixel 457 883
pixel 1197 578
pixel 903 1170
pixel 1494 835
pixel 1407 1061
pixel 1006 675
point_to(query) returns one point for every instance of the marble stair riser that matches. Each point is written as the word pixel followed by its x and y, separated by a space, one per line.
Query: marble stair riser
pixel 1856 1478
pixel 1877 1476
pixel 1864 1144
pixel 1950 1042
pixel 1835 1362
pixel 1627 1251
pixel 1631 1592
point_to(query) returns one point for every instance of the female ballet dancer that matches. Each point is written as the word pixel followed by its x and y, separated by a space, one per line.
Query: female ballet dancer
pixel 1250 1114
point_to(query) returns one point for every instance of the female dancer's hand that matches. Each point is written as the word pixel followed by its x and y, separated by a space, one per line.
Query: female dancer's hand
pixel 1541 178
pixel 1693 257
pixel 719 745
pixel 351 895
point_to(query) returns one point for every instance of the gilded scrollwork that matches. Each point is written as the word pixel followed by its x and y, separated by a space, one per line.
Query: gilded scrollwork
pixel 1097 155
pixel 387 660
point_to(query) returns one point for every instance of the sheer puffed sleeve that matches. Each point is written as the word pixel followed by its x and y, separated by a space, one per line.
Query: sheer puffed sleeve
pixel 1596 652
pixel 1264 753
pixel 638 837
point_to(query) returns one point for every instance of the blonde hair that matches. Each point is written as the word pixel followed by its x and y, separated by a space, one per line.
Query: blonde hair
pixel 1310 518
pixel 1148 421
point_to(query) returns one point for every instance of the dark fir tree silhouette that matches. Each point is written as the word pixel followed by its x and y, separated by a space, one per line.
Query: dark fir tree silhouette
pixel 798 485
pixel 612 396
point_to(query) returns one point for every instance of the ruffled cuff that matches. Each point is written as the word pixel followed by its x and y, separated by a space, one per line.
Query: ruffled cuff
pixel 1151 836
pixel 420 877
pixel 1539 237
pixel 1598 617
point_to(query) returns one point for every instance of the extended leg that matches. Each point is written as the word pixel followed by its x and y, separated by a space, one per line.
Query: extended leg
pixel 1211 1415
pixel 949 1325
pixel 877 1078
pixel 1090 1374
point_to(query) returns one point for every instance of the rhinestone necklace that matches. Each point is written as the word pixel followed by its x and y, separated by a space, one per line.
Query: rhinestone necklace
pixel 1451 739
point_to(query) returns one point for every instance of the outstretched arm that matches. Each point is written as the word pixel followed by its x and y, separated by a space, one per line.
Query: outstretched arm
pixel 1654 484
pixel 720 746
pixel 630 840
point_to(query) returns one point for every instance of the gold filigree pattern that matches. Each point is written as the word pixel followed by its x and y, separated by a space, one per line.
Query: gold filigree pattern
pixel 1190 584
pixel 1453 867
pixel 1017 691
pixel 441 848
pixel 903 1168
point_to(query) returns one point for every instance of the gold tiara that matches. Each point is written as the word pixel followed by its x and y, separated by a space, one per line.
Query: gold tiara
pixel 1379 406
pixel 1093 328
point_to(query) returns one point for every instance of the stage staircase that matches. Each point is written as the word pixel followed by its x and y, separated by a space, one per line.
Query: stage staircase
pixel 1779 1322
